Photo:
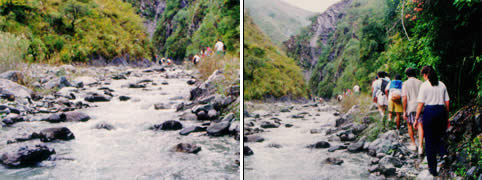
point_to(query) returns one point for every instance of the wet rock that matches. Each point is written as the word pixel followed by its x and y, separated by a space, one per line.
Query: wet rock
pixel 212 114
pixel 333 161
pixel 26 156
pixel 188 130
pixel 222 127
pixel 274 145
pixel 346 136
pixel 58 83
pixel 124 98
pixel 267 124
pixel 168 125
pixel 358 128
pixel 187 148
pixel 57 133
pixel 297 116
pixel 187 116
pixel 55 118
pixel 253 138
pixel 247 151
pixel 76 116
pixel 383 143
pixel 160 106
pixel 133 85
pixel 315 131
pixel 339 122
pixel 288 125
pixel 12 119
pixel 319 145
pixel 15 76
pixel 119 77
pixel 97 98
pixel 164 83
pixel 387 165
pixel 337 147
pixel 105 126
pixel 191 81
pixel 176 98
pixel 356 147
pixel 285 110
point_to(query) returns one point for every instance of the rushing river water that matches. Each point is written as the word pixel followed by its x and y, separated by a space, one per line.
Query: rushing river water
pixel 131 150
pixel 292 160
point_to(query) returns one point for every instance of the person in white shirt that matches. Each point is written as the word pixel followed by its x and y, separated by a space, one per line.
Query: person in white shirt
pixel 410 90
pixel 219 47
pixel 379 87
pixel 434 99
pixel 356 89
pixel 196 59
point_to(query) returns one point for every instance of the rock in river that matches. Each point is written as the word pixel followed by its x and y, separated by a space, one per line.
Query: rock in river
pixel 247 151
pixel 333 161
pixel 187 148
pixel 97 98
pixel 50 134
pixel 188 130
pixel 221 128
pixel 319 145
pixel 26 156
pixel 168 125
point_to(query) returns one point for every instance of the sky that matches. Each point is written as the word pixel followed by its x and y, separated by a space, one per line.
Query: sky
pixel 312 5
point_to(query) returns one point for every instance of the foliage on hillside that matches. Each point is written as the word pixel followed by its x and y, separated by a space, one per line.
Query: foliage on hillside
pixel 370 38
pixel 185 29
pixel 71 30
pixel 277 19
pixel 267 71
pixel 12 50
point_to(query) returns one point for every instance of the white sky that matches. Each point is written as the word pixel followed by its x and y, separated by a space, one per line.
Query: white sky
pixel 312 5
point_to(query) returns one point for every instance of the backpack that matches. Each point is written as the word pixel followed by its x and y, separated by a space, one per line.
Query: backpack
pixel 383 86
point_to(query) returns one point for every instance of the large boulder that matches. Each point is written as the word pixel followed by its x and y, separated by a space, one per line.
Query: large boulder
pixel 387 165
pixel 384 143
pixel 15 76
pixel 76 116
pixel 356 147
pixel 168 125
pixel 57 133
pixel 222 127
pixel 26 156
pixel 247 151
pixel 9 88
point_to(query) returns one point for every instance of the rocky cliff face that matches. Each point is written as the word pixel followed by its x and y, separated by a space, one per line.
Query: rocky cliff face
pixel 151 10
pixel 307 48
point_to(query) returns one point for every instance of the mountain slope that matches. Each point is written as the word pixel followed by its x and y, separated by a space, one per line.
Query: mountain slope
pixel 66 31
pixel 267 71
pixel 277 19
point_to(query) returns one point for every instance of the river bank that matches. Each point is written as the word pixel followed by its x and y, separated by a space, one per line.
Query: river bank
pixel 117 122
pixel 317 141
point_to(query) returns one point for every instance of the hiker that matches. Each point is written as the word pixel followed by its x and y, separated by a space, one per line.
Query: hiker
pixel 394 94
pixel 202 53
pixel 196 59
pixel 219 47
pixel 208 51
pixel 374 92
pixel 169 61
pixel 434 99
pixel 379 87
pixel 356 89
pixel 410 89
pixel 339 97
pixel 162 61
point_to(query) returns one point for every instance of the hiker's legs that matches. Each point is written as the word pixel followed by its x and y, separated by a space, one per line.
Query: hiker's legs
pixel 433 117
pixel 410 132
pixel 398 120
pixel 420 135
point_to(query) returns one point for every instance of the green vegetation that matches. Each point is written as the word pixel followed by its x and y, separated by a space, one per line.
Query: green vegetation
pixel 373 37
pixel 184 29
pixel 277 19
pixel 63 31
pixel 12 50
pixel 267 71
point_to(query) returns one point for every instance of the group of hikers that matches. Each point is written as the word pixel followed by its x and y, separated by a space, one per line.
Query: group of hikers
pixel 423 105
pixel 218 47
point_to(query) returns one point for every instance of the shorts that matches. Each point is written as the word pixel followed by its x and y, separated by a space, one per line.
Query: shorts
pixel 394 107
pixel 411 118
pixel 382 99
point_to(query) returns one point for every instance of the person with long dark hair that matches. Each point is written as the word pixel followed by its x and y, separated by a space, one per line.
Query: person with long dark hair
pixel 434 99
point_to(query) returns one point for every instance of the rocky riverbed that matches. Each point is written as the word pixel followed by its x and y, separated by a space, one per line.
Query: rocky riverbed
pixel 117 122
pixel 316 141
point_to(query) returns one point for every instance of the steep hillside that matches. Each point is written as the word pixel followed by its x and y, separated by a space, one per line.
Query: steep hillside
pixel 268 72
pixel 187 26
pixel 306 47
pixel 278 19
pixel 70 30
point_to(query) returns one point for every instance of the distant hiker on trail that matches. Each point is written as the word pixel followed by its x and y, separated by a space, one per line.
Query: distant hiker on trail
pixel 394 94
pixel 410 90
pixel 433 99
pixel 374 92
pixel 202 53
pixel 162 61
pixel 379 88
pixel 339 97
pixel 196 59
pixel 356 89
pixel 208 51
pixel 219 47
pixel 169 61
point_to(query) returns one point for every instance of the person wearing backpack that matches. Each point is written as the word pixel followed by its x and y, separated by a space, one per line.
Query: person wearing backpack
pixel 379 86
pixel 433 99
pixel 394 94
